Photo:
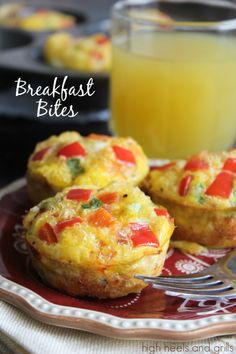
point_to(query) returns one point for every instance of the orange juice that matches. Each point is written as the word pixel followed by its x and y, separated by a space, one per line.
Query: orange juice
pixel 175 93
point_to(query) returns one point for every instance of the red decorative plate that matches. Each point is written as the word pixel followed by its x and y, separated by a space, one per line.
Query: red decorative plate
pixel 150 314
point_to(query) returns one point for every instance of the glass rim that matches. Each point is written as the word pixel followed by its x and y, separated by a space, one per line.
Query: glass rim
pixel 222 25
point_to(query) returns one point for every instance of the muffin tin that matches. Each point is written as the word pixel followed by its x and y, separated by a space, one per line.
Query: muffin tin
pixel 21 55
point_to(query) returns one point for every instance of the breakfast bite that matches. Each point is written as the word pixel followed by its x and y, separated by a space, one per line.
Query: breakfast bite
pixel 21 16
pixel 201 195
pixel 88 53
pixel 46 20
pixel 92 242
pixel 70 159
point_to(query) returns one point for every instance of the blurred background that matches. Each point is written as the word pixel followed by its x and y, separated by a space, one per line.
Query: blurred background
pixel 24 29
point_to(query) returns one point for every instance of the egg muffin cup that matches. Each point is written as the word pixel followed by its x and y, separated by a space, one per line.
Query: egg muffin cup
pixel 89 53
pixel 70 159
pixel 93 242
pixel 201 196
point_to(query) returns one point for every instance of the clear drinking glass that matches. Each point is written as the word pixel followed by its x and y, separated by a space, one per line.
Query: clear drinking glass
pixel 174 75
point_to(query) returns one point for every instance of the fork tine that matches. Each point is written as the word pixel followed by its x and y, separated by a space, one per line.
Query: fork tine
pixel 221 296
pixel 196 285
pixel 185 289
pixel 182 279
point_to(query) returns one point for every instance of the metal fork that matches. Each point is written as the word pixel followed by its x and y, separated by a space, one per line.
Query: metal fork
pixel 216 282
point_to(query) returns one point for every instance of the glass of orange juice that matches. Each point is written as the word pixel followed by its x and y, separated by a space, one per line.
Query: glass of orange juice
pixel 173 85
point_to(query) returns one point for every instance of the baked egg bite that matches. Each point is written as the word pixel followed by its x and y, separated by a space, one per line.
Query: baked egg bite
pixel 201 195
pixel 70 159
pixel 87 53
pixel 22 16
pixel 46 20
pixel 92 242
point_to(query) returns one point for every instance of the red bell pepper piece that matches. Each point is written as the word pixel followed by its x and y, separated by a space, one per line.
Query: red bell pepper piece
pixel 163 167
pixel 184 185
pixel 39 155
pixel 222 185
pixel 142 235
pixel 101 218
pixel 71 150
pixel 67 223
pixel 161 212
pixel 124 155
pixel 109 197
pixel 95 54
pixel 102 40
pixel 46 233
pixel 230 165
pixel 79 194
pixel 196 164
